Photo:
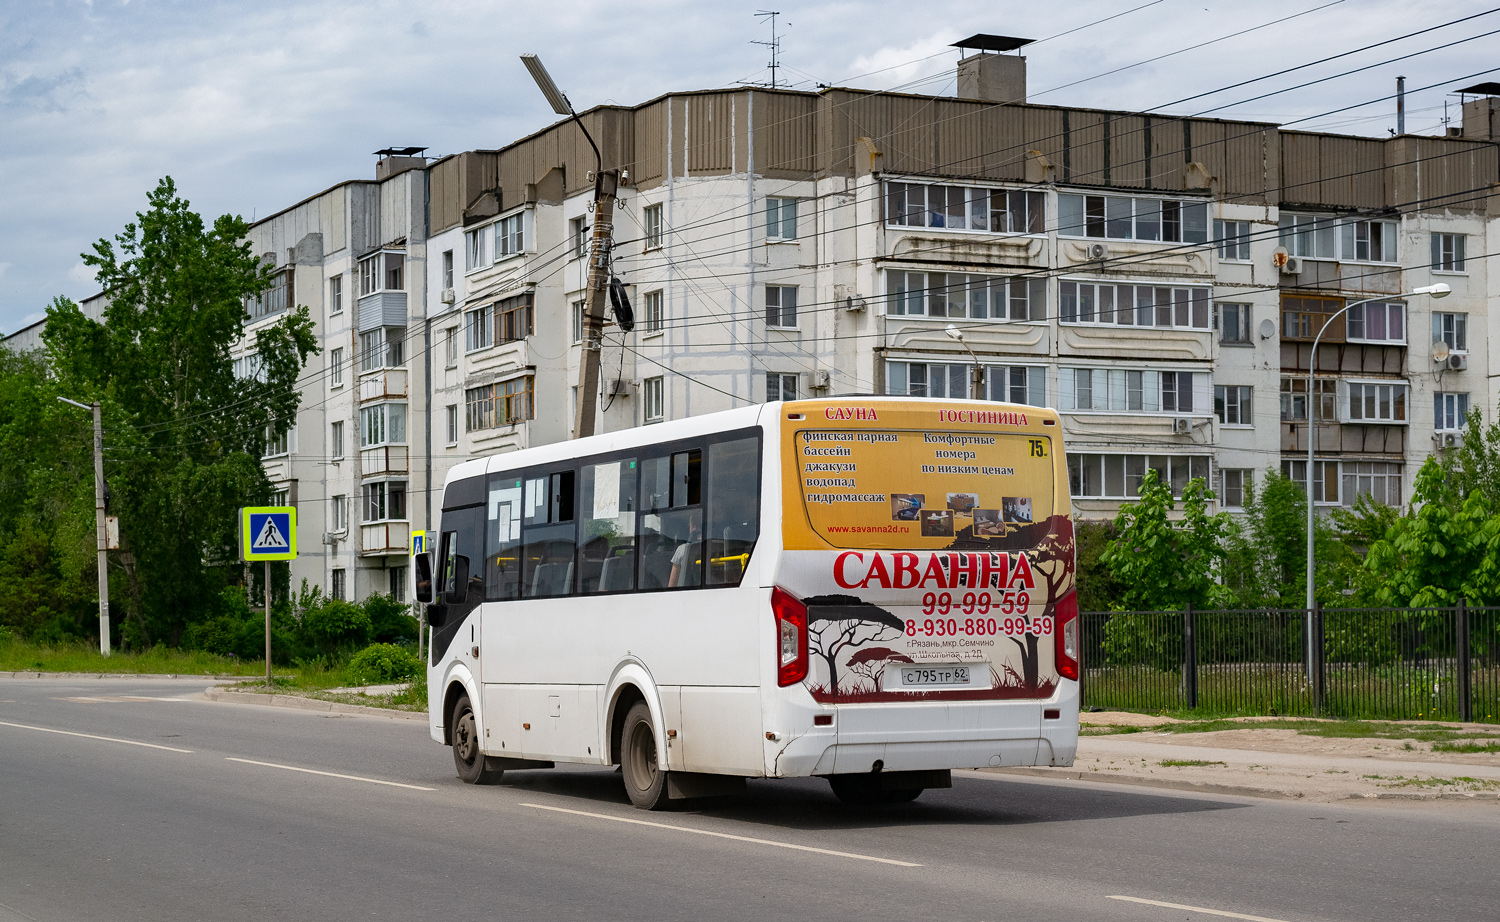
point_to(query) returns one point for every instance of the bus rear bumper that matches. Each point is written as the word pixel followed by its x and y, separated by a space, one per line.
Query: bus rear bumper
pixel 930 735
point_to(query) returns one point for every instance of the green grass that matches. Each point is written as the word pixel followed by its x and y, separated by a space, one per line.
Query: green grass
pixel 317 680
pixel 20 656
pixel 1466 746
pixel 1334 729
pixel 1462 782
pixel 1189 763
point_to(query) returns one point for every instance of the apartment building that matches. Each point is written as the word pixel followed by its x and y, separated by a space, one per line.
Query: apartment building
pixel 1157 279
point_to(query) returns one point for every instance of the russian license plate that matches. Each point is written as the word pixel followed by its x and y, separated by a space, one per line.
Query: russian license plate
pixel 934 675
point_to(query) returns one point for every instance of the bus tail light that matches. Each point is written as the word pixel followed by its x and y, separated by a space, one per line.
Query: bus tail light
pixel 1067 636
pixel 791 637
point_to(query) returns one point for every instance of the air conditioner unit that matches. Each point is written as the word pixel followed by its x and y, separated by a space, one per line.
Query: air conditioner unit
pixel 617 388
pixel 854 304
pixel 1182 425
pixel 447 297
pixel 1292 266
pixel 1448 439
pixel 330 538
pixel 1458 361
pixel 1098 251
pixel 818 380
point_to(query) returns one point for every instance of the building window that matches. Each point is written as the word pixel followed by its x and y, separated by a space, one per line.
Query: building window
pixel 1381 403
pixel 248 367
pixel 1379 480
pixel 275 299
pixel 398 583
pixel 1232 483
pixel 578 231
pixel 1130 390
pixel 510 236
pixel 477 325
pixel 781 306
pixel 1325 479
pixel 1233 322
pixel 651 223
pixel 450 356
pixel 1133 305
pixel 1025 384
pixel 513 319
pixel 382 348
pixel 336 439
pixel 384 501
pixel 1294 398
pixel 1232 405
pixel 338 513
pixel 336 295
pixel 1450 411
pixel 1118 217
pixel 1452 329
pixel 338 584
pixel 780 387
pixel 1112 476
pixel 278 444
pixel 382 424
pixel 781 219
pixel 447 268
pixel 579 307
pixel 654 399
pixel 494 405
pixel 1234 240
pixel 1382 322
pixel 1314 236
pixel 974 297
pixel 1448 252
pixel 452 424
pixel 928 379
pixel 383 271
pixel 998 211
pixel 655 319
pixel 476 250
pixel 336 367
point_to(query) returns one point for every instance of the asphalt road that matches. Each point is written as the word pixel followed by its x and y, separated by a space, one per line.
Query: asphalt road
pixel 211 821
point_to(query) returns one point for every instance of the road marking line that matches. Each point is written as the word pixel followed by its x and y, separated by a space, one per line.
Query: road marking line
pixel 1212 912
pixel 90 736
pixel 725 835
pixel 310 771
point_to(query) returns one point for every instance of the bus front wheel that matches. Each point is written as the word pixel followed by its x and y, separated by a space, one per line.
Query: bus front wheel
pixel 467 757
pixel 645 782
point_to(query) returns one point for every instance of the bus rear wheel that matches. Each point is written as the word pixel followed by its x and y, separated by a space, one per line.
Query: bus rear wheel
pixel 467 757
pixel 645 782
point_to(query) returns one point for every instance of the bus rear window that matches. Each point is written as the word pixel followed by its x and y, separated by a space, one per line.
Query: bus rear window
pixel 924 490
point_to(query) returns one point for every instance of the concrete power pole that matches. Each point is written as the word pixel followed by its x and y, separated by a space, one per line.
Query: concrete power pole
pixel 101 530
pixel 602 239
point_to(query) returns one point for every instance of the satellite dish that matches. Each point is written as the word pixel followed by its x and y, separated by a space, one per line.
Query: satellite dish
pixel 1279 257
pixel 1267 328
pixel 1440 352
pixel 620 301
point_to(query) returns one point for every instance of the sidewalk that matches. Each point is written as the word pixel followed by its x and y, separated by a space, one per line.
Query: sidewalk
pixel 1279 763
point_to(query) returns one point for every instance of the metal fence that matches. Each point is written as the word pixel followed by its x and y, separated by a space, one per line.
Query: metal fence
pixel 1387 663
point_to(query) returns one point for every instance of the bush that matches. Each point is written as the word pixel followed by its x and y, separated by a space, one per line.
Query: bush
pixel 336 627
pixel 6 637
pixel 390 620
pixel 383 662
pixel 235 629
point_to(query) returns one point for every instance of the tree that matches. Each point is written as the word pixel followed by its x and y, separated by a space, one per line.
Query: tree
pixel 1444 548
pixel 1098 589
pixel 1265 558
pixel 1056 568
pixel 185 434
pixel 1475 465
pixel 1166 564
pixel 838 623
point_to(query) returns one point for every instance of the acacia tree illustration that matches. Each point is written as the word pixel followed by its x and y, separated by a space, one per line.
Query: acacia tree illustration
pixel 834 628
pixel 1054 562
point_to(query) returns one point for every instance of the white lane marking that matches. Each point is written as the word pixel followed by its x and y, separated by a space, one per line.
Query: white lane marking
pixel 1212 912
pixel 725 835
pixel 309 771
pixel 90 736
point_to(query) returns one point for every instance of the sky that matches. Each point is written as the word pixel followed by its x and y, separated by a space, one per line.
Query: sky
pixel 251 107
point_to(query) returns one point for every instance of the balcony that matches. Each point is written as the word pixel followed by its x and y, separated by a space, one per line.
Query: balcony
pixel 382 538
pixel 382 385
pixel 385 459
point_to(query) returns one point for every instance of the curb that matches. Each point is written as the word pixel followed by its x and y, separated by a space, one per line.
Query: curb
pixel 308 704
pixel 123 675
pixel 1239 790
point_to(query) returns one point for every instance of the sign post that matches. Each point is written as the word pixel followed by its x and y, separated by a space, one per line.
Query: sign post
pixel 268 533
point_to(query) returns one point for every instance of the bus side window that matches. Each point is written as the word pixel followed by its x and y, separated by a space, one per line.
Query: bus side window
pixel 502 566
pixel 606 552
pixel 550 536
pixel 670 553
pixel 733 500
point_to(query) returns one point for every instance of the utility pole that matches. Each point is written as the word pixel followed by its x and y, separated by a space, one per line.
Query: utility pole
pixel 101 533
pixel 606 185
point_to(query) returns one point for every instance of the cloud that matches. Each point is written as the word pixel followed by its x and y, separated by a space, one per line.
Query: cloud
pixel 81 274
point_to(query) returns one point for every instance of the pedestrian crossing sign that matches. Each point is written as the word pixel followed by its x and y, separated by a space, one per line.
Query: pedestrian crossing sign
pixel 268 533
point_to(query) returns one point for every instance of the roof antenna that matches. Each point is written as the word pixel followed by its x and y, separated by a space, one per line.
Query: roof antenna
pixel 774 44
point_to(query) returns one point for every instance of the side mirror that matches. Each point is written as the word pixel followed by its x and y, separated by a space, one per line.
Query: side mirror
pixel 457 590
pixel 423 563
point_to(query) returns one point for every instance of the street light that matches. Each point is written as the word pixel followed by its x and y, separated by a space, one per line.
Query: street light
pixel 101 530
pixel 956 334
pixel 1439 290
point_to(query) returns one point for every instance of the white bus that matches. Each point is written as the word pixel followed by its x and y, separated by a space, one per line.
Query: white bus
pixel 875 591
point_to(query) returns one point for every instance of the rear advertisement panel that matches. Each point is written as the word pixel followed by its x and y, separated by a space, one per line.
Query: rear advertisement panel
pixel 931 545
